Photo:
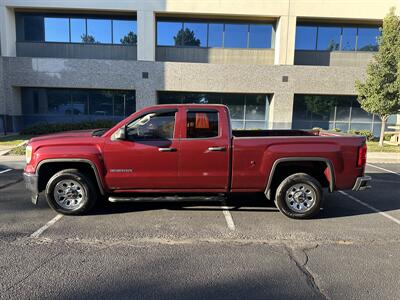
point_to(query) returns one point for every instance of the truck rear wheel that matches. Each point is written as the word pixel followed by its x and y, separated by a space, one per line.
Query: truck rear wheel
pixel 299 196
pixel 69 192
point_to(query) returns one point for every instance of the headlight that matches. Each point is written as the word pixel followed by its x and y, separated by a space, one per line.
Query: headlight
pixel 28 153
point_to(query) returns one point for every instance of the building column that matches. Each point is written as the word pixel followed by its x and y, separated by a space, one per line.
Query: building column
pixel 281 111
pixel 7 31
pixel 146 33
pixel 146 95
pixel 285 36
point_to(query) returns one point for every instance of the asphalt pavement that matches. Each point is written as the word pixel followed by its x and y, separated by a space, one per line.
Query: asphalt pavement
pixel 241 249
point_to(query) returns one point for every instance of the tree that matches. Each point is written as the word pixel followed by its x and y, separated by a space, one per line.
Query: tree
pixel 380 93
pixel 130 38
pixel 186 37
pixel 87 38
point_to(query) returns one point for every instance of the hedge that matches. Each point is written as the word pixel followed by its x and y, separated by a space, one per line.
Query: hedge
pixel 46 128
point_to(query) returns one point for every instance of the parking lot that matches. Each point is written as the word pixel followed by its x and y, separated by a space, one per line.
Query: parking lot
pixel 243 248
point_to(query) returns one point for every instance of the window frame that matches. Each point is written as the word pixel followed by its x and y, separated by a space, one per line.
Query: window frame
pixel 202 110
pixel 335 25
pixel 156 112
pixel 224 22
pixel 21 37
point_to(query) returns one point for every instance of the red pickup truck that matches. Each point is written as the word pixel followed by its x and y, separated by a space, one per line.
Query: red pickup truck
pixel 178 151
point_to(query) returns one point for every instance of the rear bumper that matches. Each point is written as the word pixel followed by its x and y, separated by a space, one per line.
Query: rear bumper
pixel 31 184
pixel 362 183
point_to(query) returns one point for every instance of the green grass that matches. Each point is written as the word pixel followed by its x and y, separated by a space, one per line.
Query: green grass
pixel 17 150
pixel 374 147
pixel 13 140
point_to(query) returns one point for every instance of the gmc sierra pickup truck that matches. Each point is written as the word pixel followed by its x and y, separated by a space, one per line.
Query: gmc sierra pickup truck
pixel 178 151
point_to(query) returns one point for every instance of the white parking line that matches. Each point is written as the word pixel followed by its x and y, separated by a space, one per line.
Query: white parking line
pixel 371 207
pixel 228 217
pixel 383 169
pixel 38 232
pixel 4 171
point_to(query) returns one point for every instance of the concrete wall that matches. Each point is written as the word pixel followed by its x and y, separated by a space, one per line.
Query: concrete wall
pixel 176 76
pixel 68 50
pixel 335 58
pixel 215 55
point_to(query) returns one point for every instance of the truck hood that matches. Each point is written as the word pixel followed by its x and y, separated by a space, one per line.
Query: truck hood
pixel 63 135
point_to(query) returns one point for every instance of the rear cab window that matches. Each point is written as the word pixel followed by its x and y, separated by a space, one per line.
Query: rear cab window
pixel 202 124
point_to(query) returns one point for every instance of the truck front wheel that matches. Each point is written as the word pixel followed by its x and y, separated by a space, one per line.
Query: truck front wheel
pixel 299 196
pixel 69 192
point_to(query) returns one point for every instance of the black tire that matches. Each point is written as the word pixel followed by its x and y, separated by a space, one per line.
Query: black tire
pixel 291 187
pixel 88 195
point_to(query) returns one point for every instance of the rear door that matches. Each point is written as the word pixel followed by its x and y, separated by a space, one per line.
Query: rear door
pixel 204 150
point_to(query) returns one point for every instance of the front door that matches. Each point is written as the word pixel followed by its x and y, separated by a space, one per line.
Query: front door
pixel 204 152
pixel 147 159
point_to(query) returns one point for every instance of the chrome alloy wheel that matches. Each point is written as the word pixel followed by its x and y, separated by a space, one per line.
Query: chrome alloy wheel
pixel 300 197
pixel 69 194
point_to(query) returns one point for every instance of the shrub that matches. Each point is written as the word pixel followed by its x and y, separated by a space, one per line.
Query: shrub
pixel 367 133
pixel 388 136
pixel 45 128
pixel 336 129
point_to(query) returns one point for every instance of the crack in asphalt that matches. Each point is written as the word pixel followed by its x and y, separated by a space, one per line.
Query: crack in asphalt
pixel 37 268
pixel 310 277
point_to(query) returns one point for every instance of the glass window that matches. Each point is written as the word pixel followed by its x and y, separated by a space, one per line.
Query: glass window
pixel 368 39
pixel 167 33
pixel 255 107
pixel 124 104
pixel 56 29
pixel 59 102
pixel 215 32
pixel 98 31
pixel 124 32
pixel 80 102
pixel 235 103
pixel 78 30
pixel 260 36
pixel 202 124
pixel 152 126
pixel 33 28
pixel 101 103
pixel 236 35
pixel 194 34
pixel 328 38
pixel 306 37
pixel 349 35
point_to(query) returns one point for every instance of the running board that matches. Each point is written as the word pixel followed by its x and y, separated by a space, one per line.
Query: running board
pixel 176 198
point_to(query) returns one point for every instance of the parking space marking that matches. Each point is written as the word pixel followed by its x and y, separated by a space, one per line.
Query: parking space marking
pixel 228 217
pixel 6 170
pixel 38 232
pixel 383 169
pixel 371 207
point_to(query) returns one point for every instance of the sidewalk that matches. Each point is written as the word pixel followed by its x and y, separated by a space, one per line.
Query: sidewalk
pixel 383 157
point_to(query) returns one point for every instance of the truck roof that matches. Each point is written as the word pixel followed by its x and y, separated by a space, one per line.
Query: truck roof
pixel 188 105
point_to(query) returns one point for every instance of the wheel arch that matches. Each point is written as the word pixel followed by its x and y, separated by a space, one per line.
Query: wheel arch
pixel 279 162
pixel 55 165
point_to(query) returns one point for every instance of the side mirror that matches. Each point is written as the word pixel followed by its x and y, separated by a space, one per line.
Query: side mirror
pixel 120 134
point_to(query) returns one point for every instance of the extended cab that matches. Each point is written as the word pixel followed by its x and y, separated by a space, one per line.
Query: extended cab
pixel 177 151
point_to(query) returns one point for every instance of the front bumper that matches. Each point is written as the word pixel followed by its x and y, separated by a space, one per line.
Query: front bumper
pixel 31 184
pixel 362 183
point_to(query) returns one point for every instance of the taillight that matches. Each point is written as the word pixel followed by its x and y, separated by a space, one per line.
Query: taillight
pixel 362 156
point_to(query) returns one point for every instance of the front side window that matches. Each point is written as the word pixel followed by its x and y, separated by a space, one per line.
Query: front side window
pixel 202 124
pixel 152 126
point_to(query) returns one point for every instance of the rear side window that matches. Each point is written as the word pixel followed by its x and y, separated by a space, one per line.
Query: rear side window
pixel 202 124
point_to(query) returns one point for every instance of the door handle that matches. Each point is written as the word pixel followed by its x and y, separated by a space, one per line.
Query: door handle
pixel 166 149
pixel 216 149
